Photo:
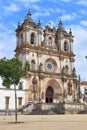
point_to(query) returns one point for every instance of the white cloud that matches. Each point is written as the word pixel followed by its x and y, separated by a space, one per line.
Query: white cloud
pixel 37 14
pixel 83 12
pixel 7 45
pixel 80 49
pixel 59 10
pixel 80 34
pixel 7 42
pixel 41 11
pixel 11 8
pixel 68 16
pixel 66 0
pixel 82 2
pixel 47 10
pixel 28 2
pixel 84 23
pixel 36 7
pixel 60 0
pixel 53 1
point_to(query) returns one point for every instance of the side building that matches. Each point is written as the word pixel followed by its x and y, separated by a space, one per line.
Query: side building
pixel 7 96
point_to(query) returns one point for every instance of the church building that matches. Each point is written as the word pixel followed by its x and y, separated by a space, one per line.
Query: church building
pixel 51 75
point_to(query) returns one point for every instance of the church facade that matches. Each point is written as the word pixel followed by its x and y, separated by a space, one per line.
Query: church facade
pixel 51 75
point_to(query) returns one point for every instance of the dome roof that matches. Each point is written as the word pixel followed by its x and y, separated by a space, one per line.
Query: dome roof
pixel 29 19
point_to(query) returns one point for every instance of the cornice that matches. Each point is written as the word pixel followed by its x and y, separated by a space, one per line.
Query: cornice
pixel 26 47
pixel 44 74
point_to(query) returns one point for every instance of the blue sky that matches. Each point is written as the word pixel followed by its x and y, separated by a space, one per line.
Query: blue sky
pixel 73 15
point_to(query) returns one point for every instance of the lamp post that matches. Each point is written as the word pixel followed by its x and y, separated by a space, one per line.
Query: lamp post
pixel 15 93
pixel 15 103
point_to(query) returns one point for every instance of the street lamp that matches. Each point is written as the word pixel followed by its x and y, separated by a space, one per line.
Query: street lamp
pixel 15 93
pixel 15 103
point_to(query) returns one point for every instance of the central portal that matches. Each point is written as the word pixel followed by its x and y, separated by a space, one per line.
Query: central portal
pixel 49 95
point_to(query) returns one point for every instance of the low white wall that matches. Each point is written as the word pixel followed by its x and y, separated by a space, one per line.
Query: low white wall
pixel 4 92
pixel 10 93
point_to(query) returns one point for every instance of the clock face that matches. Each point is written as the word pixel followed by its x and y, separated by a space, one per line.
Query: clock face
pixel 49 67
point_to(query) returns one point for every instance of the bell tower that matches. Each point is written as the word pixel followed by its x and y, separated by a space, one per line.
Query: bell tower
pixel 29 35
pixel 64 43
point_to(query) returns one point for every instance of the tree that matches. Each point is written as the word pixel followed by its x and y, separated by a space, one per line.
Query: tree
pixel 11 72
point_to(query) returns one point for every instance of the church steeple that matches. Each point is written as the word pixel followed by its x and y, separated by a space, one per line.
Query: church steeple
pixel 29 13
pixel 60 25
pixel 28 20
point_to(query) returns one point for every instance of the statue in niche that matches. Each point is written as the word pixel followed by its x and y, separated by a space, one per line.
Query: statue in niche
pixel 69 88
pixel 65 70
pixel 74 72
pixel 41 67
pixel 64 93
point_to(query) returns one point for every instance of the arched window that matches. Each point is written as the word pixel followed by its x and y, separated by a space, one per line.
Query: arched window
pixel 32 65
pixel 50 41
pixel 66 47
pixel 32 38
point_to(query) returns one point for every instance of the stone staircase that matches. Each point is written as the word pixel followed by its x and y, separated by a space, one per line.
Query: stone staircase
pixel 32 108
pixel 44 109
pixel 27 108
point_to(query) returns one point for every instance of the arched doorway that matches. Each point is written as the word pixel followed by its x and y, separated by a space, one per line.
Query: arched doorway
pixel 49 95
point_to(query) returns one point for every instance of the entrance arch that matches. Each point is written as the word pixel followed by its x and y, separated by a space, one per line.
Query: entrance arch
pixel 49 95
pixel 53 92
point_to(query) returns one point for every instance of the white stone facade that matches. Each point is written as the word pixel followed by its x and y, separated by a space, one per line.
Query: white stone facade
pixel 52 76
pixel 51 62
